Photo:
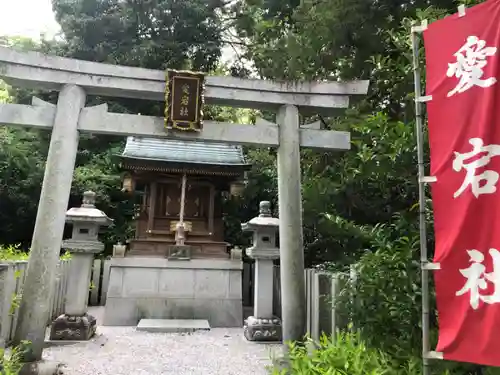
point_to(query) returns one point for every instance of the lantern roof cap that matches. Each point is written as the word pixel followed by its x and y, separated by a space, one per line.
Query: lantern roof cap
pixel 263 220
pixel 87 212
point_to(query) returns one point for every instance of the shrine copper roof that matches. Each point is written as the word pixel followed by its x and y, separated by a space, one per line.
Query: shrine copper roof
pixel 176 151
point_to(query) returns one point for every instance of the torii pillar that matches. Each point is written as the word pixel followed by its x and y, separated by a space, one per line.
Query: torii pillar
pixel 293 298
pixel 50 221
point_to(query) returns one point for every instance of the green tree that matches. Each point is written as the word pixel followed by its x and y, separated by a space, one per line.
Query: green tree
pixel 331 39
pixel 376 179
pixel 151 34
pixel 4 92
pixel 154 34
pixel 22 155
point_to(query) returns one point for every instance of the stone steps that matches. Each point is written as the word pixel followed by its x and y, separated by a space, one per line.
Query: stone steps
pixel 173 325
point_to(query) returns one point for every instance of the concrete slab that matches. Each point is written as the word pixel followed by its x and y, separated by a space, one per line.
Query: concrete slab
pixel 51 343
pixel 173 325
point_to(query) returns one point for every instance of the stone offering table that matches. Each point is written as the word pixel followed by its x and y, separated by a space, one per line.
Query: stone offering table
pixel 160 288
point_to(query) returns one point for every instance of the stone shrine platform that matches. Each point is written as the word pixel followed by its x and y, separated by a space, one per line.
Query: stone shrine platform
pixel 160 288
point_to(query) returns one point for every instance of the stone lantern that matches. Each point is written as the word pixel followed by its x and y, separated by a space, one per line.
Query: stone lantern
pixel 263 326
pixel 236 188
pixel 75 323
pixel 128 184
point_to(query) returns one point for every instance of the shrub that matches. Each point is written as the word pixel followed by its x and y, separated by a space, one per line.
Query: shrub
pixel 386 309
pixel 387 299
pixel 11 361
pixel 12 252
pixel 344 354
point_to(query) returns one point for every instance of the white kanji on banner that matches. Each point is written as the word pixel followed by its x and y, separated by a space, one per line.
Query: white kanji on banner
pixel 471 59
pixel 477 278
pixel 490 178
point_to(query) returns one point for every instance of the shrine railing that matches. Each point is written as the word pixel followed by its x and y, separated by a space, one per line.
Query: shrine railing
pixel 323 313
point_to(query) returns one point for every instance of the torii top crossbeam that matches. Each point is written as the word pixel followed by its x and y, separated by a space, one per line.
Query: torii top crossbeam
pixel 36 70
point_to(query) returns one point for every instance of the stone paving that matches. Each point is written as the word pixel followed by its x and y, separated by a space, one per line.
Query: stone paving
pixel 125 351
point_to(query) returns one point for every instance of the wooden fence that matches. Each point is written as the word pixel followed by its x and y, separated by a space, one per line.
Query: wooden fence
pixel 321 289
pixel 12 275
pixel 100 282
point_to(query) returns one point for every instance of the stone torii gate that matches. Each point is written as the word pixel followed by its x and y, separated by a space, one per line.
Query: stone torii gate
pixel 75 79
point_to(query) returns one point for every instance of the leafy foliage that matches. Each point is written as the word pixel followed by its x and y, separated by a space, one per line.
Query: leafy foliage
pixel 154 34
pixel 12 253
pixel 22 157
pixel 386 307
pixel 344 354
pixel 365 186
pixel 11 361
pixel 4 93
pixel 320 39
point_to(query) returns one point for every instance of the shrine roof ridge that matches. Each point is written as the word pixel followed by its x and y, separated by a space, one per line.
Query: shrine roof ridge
pixel 37 70
pixel 178 151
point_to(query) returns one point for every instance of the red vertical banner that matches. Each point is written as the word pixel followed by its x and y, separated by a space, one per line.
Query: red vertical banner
pixel 462 74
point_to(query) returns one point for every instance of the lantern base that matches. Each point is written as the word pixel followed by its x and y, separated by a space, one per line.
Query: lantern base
pixel 256 329
pixel 73 328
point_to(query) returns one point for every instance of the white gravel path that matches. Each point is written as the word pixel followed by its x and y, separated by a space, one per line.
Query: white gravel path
pixel 125 351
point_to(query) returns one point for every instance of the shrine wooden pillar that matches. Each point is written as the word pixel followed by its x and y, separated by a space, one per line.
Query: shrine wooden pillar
pixel 152 206
pixel 211 210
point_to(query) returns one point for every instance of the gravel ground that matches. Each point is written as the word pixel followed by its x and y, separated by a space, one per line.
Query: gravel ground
pixel 125 351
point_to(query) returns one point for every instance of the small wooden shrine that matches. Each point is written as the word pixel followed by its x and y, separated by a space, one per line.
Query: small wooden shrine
pixel 180 186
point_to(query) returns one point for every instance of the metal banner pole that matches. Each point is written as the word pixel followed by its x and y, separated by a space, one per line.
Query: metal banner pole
pixel 421 202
